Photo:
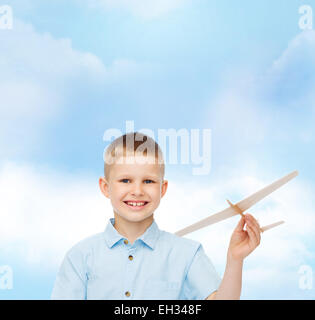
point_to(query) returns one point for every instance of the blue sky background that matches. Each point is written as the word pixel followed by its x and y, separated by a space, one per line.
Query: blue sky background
pixel 70 70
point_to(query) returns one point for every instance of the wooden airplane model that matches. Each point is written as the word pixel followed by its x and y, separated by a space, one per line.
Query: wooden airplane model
pixel 240 207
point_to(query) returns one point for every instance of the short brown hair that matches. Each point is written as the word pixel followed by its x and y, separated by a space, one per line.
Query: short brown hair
pixel 130 145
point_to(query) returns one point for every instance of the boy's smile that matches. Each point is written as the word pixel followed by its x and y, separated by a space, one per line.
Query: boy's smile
pixel 136 205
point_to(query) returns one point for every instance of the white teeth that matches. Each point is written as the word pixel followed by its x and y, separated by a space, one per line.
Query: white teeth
pixel 135 204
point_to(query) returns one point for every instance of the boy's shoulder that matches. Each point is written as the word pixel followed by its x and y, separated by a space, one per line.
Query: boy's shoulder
pixel 177 242
pixel 87 244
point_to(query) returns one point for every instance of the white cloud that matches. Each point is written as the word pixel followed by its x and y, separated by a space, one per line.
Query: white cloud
pixel 147 9
pixel 255 114
pixel 291 78
pixel 300 51
pixel 41 75
pixel 44 213
pixel 38 61
pixel 34 55
pixel 36 73
pixel 271 283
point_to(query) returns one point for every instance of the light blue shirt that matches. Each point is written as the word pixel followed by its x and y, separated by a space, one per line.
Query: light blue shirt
pixel 158 265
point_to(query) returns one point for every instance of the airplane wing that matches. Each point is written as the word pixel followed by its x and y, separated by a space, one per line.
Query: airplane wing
pixel 243 205
pixel 254 198
pixel 227 213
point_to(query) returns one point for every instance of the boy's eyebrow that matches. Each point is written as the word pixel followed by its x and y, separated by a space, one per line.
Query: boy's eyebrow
pixel 128 175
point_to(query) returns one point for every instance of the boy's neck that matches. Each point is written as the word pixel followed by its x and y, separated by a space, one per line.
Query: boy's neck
pixel 131 230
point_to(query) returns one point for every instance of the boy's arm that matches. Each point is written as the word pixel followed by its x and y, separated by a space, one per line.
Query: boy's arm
pixel 231 284
pixel 241 245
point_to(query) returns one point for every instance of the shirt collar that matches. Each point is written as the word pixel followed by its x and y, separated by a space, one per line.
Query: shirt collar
pixel 149 237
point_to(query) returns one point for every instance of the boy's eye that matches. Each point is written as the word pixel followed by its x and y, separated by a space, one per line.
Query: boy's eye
pixel 147 181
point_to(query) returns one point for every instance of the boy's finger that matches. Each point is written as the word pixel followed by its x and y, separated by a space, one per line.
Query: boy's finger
pixel 250 218
pixel 255 226
pixel 252 236
pixel 240 224
pixel 256 231
pixel 256 223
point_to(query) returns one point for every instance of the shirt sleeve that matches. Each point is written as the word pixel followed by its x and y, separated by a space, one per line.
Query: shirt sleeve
pixel 201 279
pixel 71 279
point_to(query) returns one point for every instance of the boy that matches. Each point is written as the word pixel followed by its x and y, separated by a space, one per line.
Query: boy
pixel 133 258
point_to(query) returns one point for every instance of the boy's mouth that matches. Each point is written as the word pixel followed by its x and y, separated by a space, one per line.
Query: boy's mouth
pixel 136 205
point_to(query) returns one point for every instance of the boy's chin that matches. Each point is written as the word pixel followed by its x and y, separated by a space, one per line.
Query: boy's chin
pixel 135 216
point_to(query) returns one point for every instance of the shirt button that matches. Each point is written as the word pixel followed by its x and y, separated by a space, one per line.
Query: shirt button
pixel 127 294
pixel 130 257
pixel 125 241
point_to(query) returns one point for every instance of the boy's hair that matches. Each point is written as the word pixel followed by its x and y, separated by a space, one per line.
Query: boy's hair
pixel 130 145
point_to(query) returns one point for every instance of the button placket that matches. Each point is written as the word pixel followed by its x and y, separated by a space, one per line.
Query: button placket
pixel 129 266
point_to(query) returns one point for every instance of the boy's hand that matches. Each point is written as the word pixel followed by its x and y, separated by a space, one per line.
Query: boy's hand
pixel 243 242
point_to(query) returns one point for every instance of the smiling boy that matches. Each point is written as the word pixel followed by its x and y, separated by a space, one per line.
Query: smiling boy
pixel 133 258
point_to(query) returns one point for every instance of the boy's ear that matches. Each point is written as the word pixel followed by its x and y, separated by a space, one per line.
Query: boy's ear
pixel 164 187
pixel 104 186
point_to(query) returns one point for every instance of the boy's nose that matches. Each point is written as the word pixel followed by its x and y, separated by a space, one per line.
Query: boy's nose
pixel 137 190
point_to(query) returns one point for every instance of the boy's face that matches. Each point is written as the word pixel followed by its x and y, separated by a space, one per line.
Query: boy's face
pixel 134 189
